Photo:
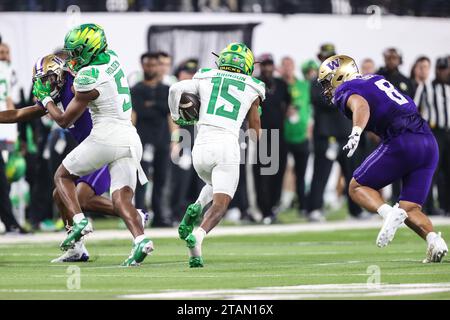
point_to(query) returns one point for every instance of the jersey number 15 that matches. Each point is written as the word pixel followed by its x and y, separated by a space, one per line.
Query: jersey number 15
pixel 221 87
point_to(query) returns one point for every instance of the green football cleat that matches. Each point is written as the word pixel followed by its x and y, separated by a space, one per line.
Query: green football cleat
pixel 191 217
pixel 191 241
pixel 138 253
pixel 78 231
pixel 195 262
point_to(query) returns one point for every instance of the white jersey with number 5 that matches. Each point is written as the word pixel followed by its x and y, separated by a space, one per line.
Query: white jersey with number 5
pixel 111 111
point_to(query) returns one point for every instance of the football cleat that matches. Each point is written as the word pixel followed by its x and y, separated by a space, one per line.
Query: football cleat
pixel 138 253
pixel 191 217
pixel 78 230
pixel 437 250
pixel 392 222
pixel 78 253
pixel 144 217
pixel 195 262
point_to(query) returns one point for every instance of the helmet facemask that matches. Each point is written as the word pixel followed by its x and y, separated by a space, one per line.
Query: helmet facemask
pixel 327 88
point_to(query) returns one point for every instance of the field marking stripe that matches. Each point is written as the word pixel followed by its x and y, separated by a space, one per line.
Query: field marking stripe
pixel 219 231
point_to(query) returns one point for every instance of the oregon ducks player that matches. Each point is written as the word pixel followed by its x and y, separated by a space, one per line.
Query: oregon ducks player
pixel 99 84
pixel 228 96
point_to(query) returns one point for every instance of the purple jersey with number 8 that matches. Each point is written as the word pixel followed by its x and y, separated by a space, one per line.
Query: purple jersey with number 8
pixel 408 150
pixel 391 113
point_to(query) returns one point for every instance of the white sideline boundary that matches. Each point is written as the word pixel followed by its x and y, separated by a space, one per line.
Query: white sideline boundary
pixel 219 231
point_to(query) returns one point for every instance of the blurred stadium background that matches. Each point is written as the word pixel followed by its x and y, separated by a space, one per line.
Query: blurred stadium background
pixel 407 41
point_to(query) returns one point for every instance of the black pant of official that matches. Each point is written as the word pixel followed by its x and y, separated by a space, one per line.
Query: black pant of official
pixel 6 213
pixel 443 178
pixel 41 202
pixel 185 186
pixel 157 169
pixel 240 199
pixel 300 152
pixel 322 169
pixel 268 187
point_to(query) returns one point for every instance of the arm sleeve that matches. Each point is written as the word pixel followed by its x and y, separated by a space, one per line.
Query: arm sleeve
pixel 175 92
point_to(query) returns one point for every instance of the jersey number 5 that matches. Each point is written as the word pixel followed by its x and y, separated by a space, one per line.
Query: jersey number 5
pixel 222 85
pixel 390 91
pixel 123 90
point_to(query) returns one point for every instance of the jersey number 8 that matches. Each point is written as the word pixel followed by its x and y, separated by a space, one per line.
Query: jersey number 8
pixel 391 92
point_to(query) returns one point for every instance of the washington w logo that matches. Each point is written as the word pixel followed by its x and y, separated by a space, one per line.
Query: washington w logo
pixel 333 64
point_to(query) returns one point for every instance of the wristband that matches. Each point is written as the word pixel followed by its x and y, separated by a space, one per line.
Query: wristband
pixel 46 100
pixel 175 136
pixel 356 130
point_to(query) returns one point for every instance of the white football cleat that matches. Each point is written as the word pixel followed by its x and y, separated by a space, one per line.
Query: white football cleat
pixel 78 253
pixel 144 217
pixel 437 250
pixel 392 222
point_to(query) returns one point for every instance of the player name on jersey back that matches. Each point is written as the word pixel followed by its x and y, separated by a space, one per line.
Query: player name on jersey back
pixel 226 98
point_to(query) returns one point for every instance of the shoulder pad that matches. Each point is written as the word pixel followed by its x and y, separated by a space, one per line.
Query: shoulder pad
pixel 86 79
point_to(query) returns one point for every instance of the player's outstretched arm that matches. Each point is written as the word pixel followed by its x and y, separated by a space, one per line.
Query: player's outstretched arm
pixel 254 120
pixel 175 92
pixel 361 113
pixel 74 110
pixel 21 115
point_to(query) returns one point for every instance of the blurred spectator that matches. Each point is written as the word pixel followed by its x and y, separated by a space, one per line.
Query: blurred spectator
pixel 420 74
pixel 151 116
pixel 165 63
pixel 393 59
pixel 423 97
pixel 330 134
pixel 7 138
pixel 368 67
pixel 434 102
pixel 268 187
pixel 298 119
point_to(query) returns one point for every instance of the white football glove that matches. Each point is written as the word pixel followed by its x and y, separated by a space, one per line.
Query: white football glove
pixel 353 141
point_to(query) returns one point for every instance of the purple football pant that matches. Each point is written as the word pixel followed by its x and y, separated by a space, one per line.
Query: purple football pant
pixel 99 180
pixel 411 157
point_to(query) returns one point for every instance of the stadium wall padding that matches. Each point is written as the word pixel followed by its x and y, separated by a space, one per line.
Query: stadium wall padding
pixel 31 35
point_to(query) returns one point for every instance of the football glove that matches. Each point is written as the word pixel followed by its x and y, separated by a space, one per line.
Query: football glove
pixel 353 141
pixel 182 122
pixel 42 92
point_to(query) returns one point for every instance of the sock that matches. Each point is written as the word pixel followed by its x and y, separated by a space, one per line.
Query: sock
pixel 199 234
pixel 430 237
pixel 205 196
pixel 139 238
pixel 78 217
pixel 384 209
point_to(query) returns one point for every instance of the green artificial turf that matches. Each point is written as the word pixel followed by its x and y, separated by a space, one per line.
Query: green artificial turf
pixel 231 262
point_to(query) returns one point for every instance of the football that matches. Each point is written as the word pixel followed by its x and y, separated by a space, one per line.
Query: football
pixel 189 106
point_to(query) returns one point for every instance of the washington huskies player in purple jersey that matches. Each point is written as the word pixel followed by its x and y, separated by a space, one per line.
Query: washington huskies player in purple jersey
pixel 408 150
pixel 89 188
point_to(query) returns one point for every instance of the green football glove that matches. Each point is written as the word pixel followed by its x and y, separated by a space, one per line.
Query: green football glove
pixel 42 92
pixel 182 122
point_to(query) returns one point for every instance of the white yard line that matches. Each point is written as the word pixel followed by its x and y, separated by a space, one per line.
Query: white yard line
pixel 357 290
pixel 219 231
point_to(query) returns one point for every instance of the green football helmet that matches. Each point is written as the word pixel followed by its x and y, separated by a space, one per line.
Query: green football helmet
pixel 16 167
pixel 83 44
pixel 236 57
